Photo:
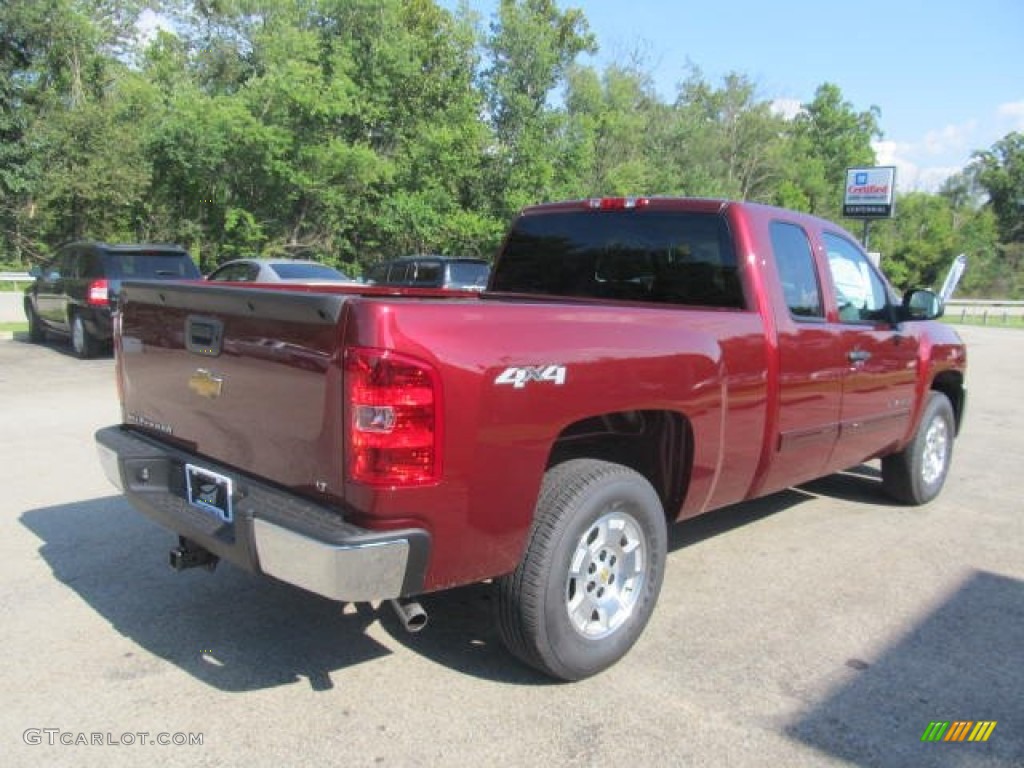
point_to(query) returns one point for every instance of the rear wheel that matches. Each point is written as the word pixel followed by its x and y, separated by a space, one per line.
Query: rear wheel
pixel 82 342
pixel 916 474
pixel 591 575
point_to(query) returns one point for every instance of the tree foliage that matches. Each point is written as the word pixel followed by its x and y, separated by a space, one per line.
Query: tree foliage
pixel 352 130
pixel 999 171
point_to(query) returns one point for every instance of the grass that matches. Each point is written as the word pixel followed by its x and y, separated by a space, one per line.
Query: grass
pixel 18 327
pixel 994 320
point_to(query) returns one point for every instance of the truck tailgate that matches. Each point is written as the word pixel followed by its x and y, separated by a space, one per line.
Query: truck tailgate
pixel 249 377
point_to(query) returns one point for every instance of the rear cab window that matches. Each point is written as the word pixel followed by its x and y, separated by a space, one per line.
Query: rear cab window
pixel 665 257
pixel 149 265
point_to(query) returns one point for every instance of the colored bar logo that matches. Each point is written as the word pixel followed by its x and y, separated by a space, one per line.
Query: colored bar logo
pixel 958 730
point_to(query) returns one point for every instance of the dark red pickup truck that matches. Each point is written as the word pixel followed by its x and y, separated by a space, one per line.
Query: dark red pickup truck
pixel 632 363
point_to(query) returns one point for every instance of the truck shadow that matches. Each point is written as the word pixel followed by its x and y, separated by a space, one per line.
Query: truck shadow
pixel 463 619
pixel 861 484
pixel 960 662
pixel 237 631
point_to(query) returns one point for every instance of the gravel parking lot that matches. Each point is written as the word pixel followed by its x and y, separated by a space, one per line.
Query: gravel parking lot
pixel 820 626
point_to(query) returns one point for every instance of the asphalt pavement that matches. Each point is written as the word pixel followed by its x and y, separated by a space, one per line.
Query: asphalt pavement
pixel 820 626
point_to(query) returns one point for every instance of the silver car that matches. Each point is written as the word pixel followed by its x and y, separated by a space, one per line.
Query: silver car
pixel 277 271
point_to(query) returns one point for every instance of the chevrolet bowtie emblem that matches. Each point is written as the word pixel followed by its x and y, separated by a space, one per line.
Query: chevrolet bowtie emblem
pixel 205 384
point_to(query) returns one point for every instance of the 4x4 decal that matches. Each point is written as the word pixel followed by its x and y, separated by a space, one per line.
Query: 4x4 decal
pixel 519 377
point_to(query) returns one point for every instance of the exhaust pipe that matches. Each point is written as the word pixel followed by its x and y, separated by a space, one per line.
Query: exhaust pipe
pixel 411 614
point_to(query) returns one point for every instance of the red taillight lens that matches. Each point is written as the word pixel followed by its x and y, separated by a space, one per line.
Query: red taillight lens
pixel 98 294
pixel 393 431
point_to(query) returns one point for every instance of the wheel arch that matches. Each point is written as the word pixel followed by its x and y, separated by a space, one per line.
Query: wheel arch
pixel 951 384
pixel 655 443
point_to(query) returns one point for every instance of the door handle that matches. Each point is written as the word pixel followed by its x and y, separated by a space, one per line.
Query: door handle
pixel 859 356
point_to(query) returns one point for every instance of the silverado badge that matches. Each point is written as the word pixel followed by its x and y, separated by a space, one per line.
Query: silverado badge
pixel 205 384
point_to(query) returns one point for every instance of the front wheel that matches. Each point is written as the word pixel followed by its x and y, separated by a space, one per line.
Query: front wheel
pixel 591 574
pixel 916 474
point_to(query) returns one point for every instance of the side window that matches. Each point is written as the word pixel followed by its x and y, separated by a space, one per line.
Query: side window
pixel 428 273
pixel 795 261
pixel 233 273
pixel 398 274
pixel 860 292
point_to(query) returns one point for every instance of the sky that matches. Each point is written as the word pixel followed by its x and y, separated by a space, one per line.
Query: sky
pixel 947 75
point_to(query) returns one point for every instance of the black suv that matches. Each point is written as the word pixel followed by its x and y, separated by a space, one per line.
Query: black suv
pixel 72 295
pixel 431 272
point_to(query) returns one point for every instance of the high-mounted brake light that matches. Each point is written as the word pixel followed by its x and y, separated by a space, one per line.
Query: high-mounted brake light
pixel 618 203
pixel 98 294
pixel 393 435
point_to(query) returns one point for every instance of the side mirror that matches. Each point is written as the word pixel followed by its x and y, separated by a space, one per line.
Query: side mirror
pixel 919 304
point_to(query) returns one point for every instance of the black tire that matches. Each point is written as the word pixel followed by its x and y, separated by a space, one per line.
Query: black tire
pixel 916 474
pixel 579 600
pixel 84 344
pixel 36 332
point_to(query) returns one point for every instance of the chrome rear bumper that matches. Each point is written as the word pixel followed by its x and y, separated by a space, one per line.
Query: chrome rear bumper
pixel 273 531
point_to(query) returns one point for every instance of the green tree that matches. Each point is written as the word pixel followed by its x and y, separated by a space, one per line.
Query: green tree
pixel 530 47
pixel 20 39
pixel 999 171
pixel 729 140
pixel 930 230
pixel 826 137
pixel 608 118
pixel 70 160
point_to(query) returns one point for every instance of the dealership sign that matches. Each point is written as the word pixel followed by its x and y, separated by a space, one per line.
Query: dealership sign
pixel 869 193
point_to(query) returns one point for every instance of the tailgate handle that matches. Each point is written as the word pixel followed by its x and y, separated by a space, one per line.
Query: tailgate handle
pixel 203 335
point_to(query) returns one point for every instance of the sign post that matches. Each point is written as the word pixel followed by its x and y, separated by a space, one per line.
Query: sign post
pixel 870 194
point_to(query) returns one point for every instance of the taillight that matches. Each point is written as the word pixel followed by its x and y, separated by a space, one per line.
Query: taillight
pixel 98 294
pixel 394 427
pixel 617 203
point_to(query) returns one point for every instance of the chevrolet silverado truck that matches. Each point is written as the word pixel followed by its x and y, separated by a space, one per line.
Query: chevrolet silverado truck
pixel 633 362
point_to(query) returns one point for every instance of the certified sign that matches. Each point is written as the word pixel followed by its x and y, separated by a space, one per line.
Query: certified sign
pixel 869 193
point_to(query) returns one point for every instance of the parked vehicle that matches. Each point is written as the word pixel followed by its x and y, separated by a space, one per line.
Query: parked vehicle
pixel 276 271
pixel 633 363
pixel 431 272
pixel 72 295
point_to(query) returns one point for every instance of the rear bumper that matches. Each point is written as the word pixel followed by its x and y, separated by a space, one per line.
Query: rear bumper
pixel 273 531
